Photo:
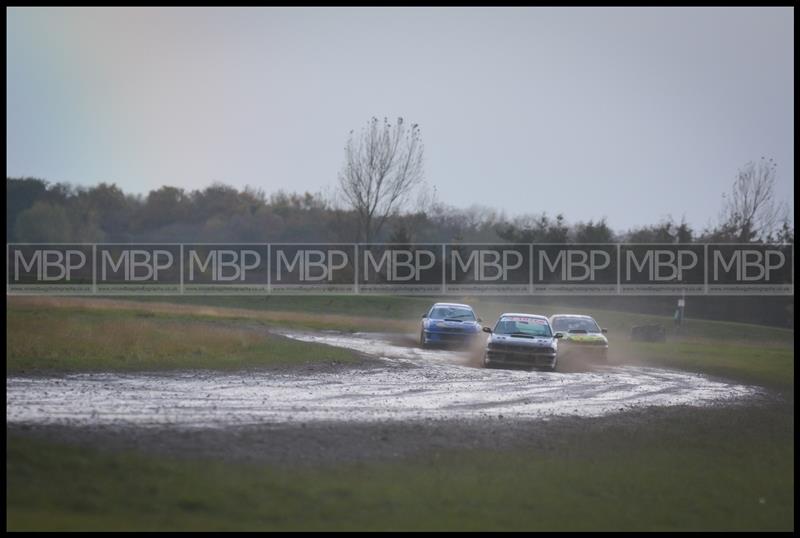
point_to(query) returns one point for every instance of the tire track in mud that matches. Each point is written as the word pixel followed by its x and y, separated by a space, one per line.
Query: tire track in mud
pixel 409 384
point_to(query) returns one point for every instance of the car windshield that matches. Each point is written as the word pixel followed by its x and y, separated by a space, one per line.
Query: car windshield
pixel 452 312
pixel 522 326
pixel 576 325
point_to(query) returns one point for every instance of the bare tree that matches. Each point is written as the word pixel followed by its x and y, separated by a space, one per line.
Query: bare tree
pixel 383 165
pixel 751 211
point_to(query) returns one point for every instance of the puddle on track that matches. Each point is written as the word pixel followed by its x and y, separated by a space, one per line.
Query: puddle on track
pixel 411 384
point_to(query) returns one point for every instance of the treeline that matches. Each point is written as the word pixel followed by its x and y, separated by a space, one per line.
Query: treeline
pixel 38 211
pixel 41 212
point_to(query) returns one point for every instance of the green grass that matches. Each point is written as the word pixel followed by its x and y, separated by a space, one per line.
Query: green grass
pixel 769 366
pixel 74 334
pixel 81 339
pixel 714 470
pixel 747 353
pixel 384 307
pixel 711 469
pixel 410 309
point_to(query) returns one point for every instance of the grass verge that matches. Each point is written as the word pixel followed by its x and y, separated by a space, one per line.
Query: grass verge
pixel 82 339
pixel 709 469
pixel 712 469
pixel 752 364
pixel 73 334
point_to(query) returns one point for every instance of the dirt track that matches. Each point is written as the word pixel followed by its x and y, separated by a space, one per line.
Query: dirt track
pixel 407 384
pixel 400 401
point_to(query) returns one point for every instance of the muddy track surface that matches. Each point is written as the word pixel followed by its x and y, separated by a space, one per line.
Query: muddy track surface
pixel 405 385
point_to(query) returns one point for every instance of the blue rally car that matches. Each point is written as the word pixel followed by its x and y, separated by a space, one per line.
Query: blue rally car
pixel 449 323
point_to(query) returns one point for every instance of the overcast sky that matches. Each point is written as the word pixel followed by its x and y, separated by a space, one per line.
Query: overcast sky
pixel 629 114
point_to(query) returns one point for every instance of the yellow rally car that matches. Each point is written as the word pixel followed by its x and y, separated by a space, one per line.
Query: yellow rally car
pixel 581 336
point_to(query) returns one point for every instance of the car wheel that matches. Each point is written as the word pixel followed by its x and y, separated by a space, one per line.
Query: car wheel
pixel 422 339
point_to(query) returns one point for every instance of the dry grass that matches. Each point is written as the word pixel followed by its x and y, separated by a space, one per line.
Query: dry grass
pixel 314 320
pixel 67 335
